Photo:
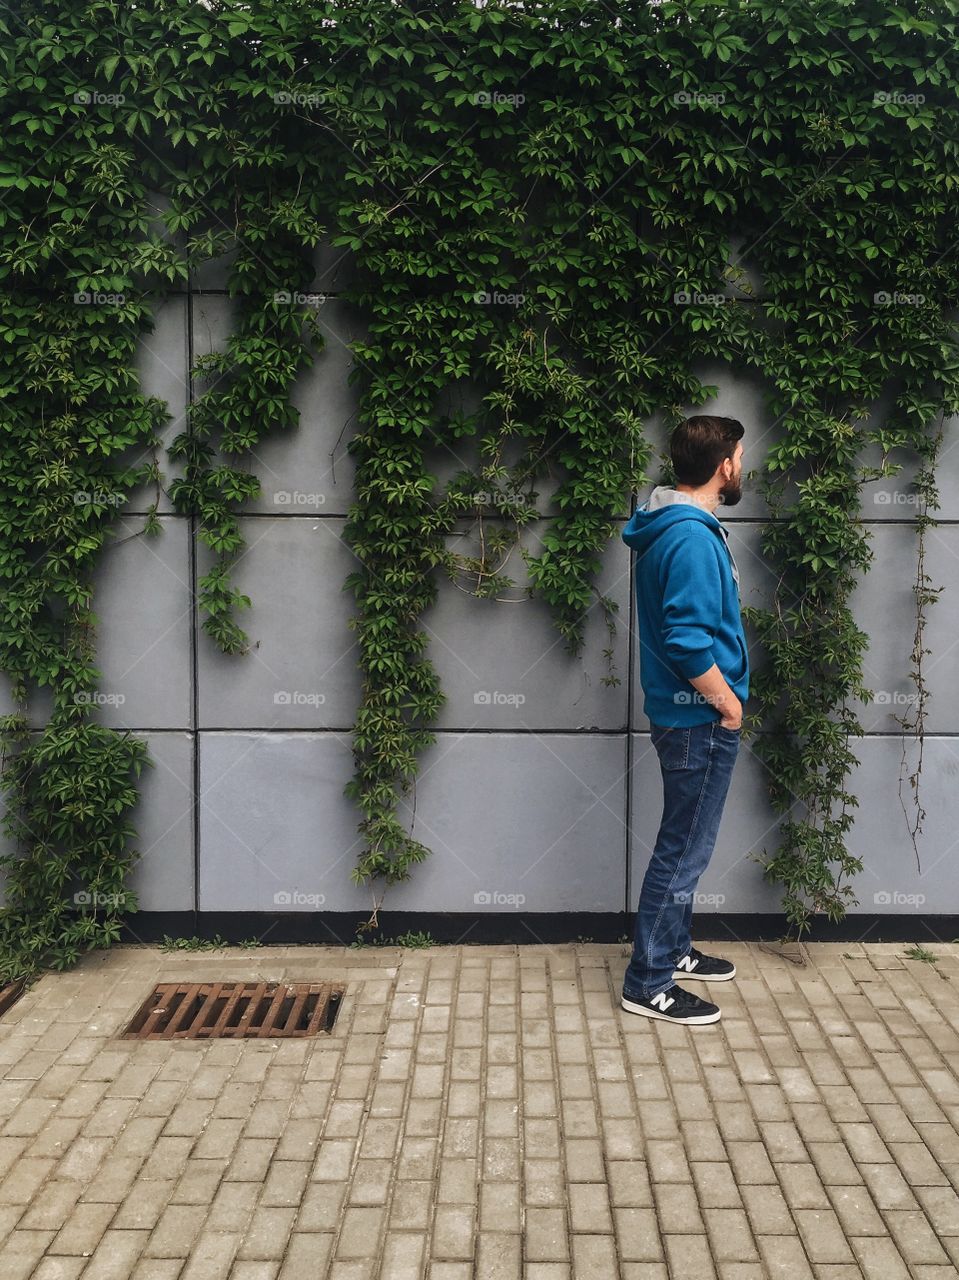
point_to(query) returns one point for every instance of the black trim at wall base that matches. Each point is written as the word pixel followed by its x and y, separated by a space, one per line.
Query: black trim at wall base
pixel 340 927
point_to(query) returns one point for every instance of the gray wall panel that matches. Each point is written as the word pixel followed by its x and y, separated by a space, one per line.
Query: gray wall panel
pixel 306 471
pixel 300 671
pixel 143 600
pixel 893 881
pixel 163 877
pixel 276 833
pixel 163 367
pixel 514 821
pixel 884 606
pixel 163 873
pixel 531 822
pixel 503 663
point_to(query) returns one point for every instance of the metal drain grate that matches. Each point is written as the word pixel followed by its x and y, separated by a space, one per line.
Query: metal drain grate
pixel 10 993
pixel 237 1010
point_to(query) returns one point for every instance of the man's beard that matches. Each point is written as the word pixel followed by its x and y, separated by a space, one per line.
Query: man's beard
pixel 731 492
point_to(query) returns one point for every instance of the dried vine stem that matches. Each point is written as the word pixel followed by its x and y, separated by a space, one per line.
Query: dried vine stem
pixel 914 721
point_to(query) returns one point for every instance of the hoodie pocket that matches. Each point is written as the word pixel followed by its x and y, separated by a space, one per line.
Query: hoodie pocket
pixel 744 652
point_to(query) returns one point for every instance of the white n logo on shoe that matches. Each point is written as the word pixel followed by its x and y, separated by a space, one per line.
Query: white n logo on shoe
pixel 662 1001
pixel 687 963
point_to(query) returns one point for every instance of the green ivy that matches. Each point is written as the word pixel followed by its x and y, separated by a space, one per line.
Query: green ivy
pixel 553 211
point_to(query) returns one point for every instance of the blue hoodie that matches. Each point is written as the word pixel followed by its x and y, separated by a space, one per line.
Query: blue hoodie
pixel 687 595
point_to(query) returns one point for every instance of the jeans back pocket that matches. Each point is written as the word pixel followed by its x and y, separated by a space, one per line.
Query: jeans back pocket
pixel 672 745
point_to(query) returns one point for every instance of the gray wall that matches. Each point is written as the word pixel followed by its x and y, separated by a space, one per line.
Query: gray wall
pixel 543 798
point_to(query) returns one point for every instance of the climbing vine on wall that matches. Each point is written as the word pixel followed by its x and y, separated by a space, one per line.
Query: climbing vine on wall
pixel 543 203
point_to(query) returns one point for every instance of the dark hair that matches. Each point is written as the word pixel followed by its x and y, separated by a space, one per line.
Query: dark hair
pixel 699 445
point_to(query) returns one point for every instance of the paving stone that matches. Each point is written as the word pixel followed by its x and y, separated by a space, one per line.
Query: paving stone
pixel 715 1185
pixel 751 1163
pixel 784 1258
pixel 856 1210
pixel 594 1255
pixel 917 1163
pixel 730 1235
pixel 822 1235
pixel 80 1234
pixel 888 1187
pixel 498 1256
pixel 546 1235
pixel 802 1186
pixel 914 1237
pixel 637 1235
pixel 500 1207
pixel 678 1208
pixel 59 1268
pixel 589 1208
pixel 878 1256
pixel 213 1256
pixel 941 1205
pixel 689 1255
pixel 453 1230
pixel 268 1232
pixel 834 1165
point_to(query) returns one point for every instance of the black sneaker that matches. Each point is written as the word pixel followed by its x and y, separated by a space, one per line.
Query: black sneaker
pixel 705 968
pixel 674 1005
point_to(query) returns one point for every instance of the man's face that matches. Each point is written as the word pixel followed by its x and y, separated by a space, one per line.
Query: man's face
pixel 732 488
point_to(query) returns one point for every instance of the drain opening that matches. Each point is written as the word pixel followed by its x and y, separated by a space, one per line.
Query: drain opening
pixel 235 1010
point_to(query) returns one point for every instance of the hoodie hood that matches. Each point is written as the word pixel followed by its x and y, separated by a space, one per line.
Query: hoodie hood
pixel 665 508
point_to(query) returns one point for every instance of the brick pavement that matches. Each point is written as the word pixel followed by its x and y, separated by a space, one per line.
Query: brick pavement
pixel 489 1113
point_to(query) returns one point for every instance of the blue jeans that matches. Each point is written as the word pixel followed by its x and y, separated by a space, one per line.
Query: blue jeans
pixel 697 765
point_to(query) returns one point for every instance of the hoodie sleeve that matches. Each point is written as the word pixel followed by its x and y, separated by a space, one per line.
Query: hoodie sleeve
pixel 692 601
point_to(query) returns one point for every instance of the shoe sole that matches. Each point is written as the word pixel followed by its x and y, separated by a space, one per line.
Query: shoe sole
pixel 683 976
pixel 694 1020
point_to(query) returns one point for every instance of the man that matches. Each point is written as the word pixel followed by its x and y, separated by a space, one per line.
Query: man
pixel 694 670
